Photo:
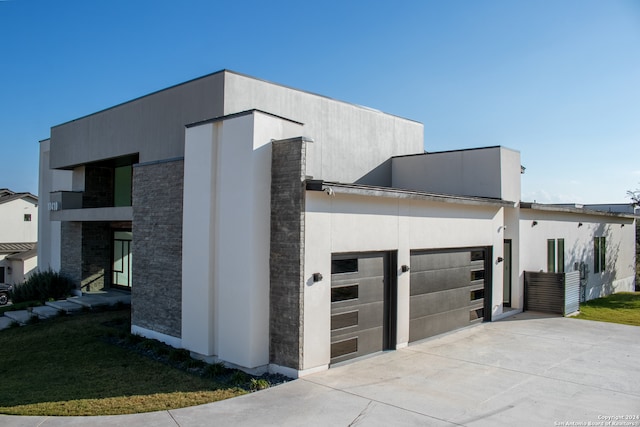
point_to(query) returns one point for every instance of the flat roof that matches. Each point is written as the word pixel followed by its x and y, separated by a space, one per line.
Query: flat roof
pixel 224 70
pixel 240 114
pixel 426 153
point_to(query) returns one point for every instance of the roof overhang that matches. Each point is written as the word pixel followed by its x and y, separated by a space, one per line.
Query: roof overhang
pixel 574 209
pixel 397 193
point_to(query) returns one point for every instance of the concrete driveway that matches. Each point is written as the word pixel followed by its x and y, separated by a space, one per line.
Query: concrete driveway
pixel 527 370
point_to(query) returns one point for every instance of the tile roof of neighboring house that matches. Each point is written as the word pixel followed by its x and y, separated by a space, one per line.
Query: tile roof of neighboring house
pixel 23 255
pixel 7 195
pixel 12 248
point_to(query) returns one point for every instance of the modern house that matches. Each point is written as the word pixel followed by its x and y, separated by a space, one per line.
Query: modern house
pixel 276 229
pixel 18 235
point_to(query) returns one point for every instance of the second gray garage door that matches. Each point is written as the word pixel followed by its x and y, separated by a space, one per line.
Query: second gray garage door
pixel 448 290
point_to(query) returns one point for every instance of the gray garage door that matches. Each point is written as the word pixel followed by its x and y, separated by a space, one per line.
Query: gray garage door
pixel 359 305
pixel 447 290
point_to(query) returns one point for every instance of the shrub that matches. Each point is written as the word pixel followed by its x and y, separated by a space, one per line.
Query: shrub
pixel 42 286
pixel 238 377
pixel 258 384
pixel 179 355
pixel 214 370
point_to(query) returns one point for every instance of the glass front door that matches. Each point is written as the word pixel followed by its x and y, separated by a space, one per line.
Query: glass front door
pixel 122 258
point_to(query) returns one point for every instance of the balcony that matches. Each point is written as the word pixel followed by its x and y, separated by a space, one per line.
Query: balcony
pixel 68 206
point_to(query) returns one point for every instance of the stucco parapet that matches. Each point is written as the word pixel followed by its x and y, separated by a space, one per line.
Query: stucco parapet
pixel 397 193
pixel 240 114
pixel 570 209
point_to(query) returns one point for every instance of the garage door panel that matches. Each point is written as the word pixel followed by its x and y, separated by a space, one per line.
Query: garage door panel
pixel 428 326
pixel 349 346
pixel 446 291
pixel 365 290
pixel 438 302
pixel 349 266
pixel 439 280
pixel 437 261
pixel 366 316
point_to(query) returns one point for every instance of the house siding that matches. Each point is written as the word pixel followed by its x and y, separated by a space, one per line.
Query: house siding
pixel 157 247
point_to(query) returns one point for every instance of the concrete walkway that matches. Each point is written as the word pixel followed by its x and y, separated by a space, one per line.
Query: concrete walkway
pixel 87 301
pixel 527 370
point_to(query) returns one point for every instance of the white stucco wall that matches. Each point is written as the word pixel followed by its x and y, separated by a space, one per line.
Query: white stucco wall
pixel 483 172
pixel 21 270
pixel 13 227
pixel 227 187
pixel 349 223
pixel 352 143
pixel 579 241
pixel 49 232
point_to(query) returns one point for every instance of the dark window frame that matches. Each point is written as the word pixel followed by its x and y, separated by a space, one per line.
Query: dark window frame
pixel 599 254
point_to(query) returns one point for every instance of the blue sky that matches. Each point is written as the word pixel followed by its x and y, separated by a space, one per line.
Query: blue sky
pixel 557 80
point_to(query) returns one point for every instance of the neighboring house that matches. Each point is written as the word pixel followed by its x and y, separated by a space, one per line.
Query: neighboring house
pixel 18 235
pixel 272 228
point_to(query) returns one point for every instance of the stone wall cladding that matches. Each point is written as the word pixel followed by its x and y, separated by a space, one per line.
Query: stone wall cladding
pixel 156 294
pixel 98 187
pixel 288 169
pixel 71 251
pixel 96 256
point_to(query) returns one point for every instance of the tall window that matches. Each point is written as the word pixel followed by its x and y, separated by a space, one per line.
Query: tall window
pixel 599 254
pixel 555 255
pixel 560 258
pixel 551 255
pixel 122 185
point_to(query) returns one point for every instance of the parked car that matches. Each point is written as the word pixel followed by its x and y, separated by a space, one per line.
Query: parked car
pixel 4 293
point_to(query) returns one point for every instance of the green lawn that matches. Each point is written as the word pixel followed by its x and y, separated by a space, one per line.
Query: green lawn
pixel 66 366
pixel 623 307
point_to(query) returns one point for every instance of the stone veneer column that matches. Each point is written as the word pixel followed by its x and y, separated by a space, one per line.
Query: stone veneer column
pixel 286 332
pixel 96 256
pixel 71 251
pixel 156 292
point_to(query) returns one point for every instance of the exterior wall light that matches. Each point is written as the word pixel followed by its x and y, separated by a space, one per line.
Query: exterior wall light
pixel 317 277
pixel 579 224
pixel 499 260
pixel 621 225
pixel 534 223
pixel 404 268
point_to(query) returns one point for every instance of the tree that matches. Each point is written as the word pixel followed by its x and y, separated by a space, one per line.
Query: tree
pixel 635 197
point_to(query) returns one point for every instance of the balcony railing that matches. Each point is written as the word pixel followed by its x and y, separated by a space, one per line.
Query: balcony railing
pixel 68 206
pixel 64 200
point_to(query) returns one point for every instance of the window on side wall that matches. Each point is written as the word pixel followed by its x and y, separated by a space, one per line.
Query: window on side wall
pixel 599 254
pixel 560 258
pixel 555 255
pixel 27 217
pixel 551 255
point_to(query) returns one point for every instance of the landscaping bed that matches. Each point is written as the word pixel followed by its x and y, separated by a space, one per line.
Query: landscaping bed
pixel 89 364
